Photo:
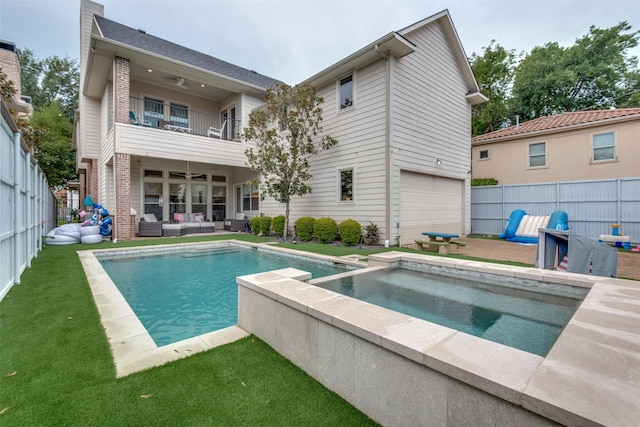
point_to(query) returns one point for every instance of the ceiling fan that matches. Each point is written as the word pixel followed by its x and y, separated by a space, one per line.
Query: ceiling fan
pixel 181 83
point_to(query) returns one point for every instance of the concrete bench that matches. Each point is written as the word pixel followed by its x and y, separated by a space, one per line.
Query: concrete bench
pixel 432 245
pixel 458 245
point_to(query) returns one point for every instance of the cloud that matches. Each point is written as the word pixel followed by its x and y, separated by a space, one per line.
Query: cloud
pixel 292 40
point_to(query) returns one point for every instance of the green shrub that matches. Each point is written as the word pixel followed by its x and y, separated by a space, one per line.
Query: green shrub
pixel 278 225
pixel 265 225
pixel 478 182
pixel 304 228
pixel 255 225
pixel 325 230
pixel 371 234
pixel 350 232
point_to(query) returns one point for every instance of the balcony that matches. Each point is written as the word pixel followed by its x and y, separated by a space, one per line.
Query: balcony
pixel 180 119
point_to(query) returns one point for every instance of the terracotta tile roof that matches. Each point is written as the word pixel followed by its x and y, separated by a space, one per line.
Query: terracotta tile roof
pixel 558 121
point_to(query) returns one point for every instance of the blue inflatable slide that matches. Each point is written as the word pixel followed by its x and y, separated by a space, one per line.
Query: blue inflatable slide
pixel 523 228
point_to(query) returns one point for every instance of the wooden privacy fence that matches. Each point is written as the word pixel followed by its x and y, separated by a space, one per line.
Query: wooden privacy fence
pixel 592 206
pixel 27 207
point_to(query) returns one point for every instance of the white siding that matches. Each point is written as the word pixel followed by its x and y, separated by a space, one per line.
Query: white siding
pixel 89 138
pixel 431 118
pixel 360 132
pixel 141 141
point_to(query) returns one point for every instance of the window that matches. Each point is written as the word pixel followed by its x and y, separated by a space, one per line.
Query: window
pixel 604 147
pixel 346 185
pixel 484 154
pixel 218 202
pixel 232 124
pixel 179 115
pixel 538 155
pixel 153 111
pixel 224 117
pixel 199 198
pixel 250 197
pixel 346 92
pixel 177 199
pixel 153 199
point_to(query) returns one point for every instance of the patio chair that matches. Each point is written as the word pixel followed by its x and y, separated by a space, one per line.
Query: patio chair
pixel 149 226
pixel 216 132
pixel 136 120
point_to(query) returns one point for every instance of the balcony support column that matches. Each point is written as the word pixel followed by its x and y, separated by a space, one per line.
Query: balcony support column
pixel 122 227
pixel 121 89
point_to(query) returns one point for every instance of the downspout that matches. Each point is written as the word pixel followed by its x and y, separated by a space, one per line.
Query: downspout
pixel 387 151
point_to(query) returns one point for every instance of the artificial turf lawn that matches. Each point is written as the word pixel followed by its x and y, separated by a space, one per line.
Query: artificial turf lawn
pixel 56 366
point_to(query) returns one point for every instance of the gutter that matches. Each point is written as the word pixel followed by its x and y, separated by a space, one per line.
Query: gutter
pixel 402 45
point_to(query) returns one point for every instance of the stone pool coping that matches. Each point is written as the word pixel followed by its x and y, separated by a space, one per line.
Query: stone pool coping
pixel 591 376
pixel 132 347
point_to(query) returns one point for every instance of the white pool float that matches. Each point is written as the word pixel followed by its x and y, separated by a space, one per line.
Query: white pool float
pixel 89 230
pixel 66 234
pixel 91 238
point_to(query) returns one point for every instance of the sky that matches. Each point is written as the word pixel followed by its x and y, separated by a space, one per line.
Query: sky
pixel 294 39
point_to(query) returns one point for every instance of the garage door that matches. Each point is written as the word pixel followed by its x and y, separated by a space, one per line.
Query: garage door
pixel 429 202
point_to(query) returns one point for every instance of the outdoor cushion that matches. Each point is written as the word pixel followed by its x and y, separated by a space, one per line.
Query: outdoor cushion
pixel 149 218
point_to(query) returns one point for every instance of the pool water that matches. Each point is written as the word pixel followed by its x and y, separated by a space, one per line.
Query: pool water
pixel 520 318
pixel 179 295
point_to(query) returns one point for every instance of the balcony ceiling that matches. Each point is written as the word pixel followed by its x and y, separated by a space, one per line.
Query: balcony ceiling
pixel 164 75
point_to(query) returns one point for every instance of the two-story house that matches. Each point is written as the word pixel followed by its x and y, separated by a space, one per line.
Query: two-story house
pixel 157 130
pixel 157 125
pixel 571 146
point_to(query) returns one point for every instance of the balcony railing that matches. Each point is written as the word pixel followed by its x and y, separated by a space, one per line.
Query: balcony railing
pixel 179 118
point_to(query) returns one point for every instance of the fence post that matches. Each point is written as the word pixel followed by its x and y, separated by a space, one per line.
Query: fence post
pixel 16 208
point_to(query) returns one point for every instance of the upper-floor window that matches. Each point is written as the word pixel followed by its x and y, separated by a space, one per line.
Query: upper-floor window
pixel 604 147
pixel 346 189
pixel 484 154
pixel 153 111
pixel 537 154
pixel 179 115
pixel 346 92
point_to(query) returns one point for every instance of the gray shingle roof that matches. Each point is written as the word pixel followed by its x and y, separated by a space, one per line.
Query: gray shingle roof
pixel 129 36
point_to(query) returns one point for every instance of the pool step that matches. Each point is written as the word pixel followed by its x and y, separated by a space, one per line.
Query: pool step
pixel 505 331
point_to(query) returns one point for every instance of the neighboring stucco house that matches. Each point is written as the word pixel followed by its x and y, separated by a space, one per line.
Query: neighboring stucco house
pixel 570 146
pixel 400 109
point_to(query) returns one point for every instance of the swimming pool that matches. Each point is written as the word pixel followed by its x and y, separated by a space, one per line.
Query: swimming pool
pixel 528 315
pixel 189 291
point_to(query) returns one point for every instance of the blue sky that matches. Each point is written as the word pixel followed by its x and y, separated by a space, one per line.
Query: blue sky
pixel 292 40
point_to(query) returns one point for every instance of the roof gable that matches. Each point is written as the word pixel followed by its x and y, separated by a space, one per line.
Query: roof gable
pixel 559 122
pixel 139 39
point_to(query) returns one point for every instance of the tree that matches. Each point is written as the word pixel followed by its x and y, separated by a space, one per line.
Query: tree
pixel 286 132
pixel 49 80
pixel 52 84
pixel 591 74
pixel 6 86
pixel 49 132
pixel 494 74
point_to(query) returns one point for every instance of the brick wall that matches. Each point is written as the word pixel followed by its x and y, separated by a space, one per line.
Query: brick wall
pixel 121 89
pixel 93 179
pixel 122 165
pixel 122 220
